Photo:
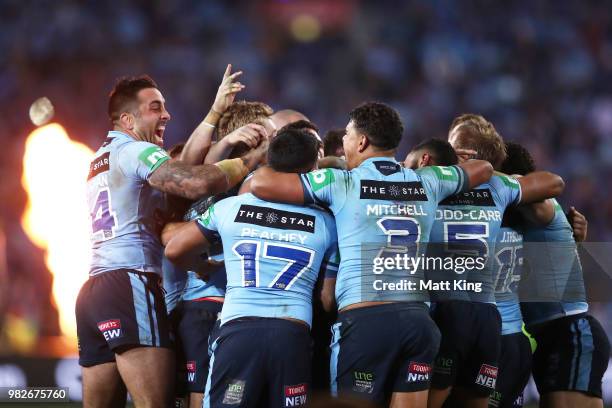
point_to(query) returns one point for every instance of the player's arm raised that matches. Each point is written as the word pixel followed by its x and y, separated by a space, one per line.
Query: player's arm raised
pixel 184 180
pixel 198 145
pixel 477 172
pixel 271 185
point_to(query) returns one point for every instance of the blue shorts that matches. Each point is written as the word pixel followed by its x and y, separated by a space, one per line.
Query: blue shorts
pixel 470 346
pixel 514 371
pixel 259 362
pixel 572 355
pixel 120 309
pixel 378 350
pixel 196 321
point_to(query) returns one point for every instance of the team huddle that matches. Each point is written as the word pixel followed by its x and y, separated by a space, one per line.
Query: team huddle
pixel 270 266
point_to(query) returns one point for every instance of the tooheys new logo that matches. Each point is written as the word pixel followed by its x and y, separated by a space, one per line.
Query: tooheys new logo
pixel 191 371
pixel 295 395
pixel 487 376
pixel 111 329
pixel 418 372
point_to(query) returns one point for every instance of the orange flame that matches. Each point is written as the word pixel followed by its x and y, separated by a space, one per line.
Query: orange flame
pixel 56 217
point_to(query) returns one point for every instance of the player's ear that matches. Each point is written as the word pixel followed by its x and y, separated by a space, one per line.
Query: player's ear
pixel 425 160
pixel 127 120
pixel 363 143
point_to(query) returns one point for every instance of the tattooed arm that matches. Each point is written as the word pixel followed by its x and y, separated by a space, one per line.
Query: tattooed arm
pixel 189 181
pixel 193 182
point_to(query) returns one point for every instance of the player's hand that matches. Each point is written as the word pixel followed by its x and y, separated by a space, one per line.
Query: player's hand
pixel 257 156
pixel 579 224
pixel 249 134
pixel 465 154
pixel 227 90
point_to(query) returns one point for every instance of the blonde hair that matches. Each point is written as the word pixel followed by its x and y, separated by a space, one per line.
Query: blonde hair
pixel 242 113
pixel 477 133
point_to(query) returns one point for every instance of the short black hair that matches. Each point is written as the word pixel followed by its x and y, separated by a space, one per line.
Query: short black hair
pixel 442 151
pixel 125 93
pixel 333 141
pixel 379 122
pixel 518 160
pixel 301 125
pixel 293 151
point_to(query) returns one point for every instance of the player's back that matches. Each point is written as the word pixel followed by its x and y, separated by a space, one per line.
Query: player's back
pixel 126 213
pixel 554 284
pixel 508 269
pixel 273 254
pixel 466 226
pixel 381 210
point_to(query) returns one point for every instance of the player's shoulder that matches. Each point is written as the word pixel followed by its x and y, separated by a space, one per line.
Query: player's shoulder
pixel 500 181
pixel 324 177
pixel 439 172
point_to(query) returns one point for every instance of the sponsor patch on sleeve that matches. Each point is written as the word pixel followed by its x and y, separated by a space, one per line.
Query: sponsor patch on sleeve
pixel 153 157
pixel 320 178
pixel 206 217
pixel 445 173
pixel 418 372
pixel 509 181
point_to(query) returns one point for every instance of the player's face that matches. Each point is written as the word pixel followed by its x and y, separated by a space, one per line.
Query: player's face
pixel 350 143
pixel 150 123
pixel 412 160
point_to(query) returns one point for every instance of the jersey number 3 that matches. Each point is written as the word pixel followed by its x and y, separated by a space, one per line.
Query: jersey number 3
pixel 297 261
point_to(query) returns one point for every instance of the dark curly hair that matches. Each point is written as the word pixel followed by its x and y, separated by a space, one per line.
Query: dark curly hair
pixel 380 123
pixel 293 151
pixel 124 95
pixel 518 160
pixel 441 151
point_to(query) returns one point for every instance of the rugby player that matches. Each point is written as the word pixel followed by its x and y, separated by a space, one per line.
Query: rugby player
pixel 573 350
pixel 471 364
pixel 201 300
pixel 273 254
pixel 121 317
pixel 470 347
pixel 384 342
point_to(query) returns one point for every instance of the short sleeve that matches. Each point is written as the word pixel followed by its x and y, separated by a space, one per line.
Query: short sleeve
pixel 511 193
pixel 140 159
pixel 443 181
pixel 208 224
pixel 326 187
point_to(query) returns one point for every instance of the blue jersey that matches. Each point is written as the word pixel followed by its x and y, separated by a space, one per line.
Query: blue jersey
pixel 381 209
pixel 554 285
pixel 196 288
pixel 126 212
pixel 273 254
pixel 466 226
pixel 174 280
pixel 507 274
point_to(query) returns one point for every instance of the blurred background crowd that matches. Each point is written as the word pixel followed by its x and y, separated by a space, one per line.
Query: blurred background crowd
pixel 541 71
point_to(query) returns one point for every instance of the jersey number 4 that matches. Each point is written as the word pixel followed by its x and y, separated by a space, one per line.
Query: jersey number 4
pixel 103 218
pixel 297 261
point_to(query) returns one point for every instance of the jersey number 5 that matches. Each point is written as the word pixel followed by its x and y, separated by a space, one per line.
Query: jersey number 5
pixel 297 261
